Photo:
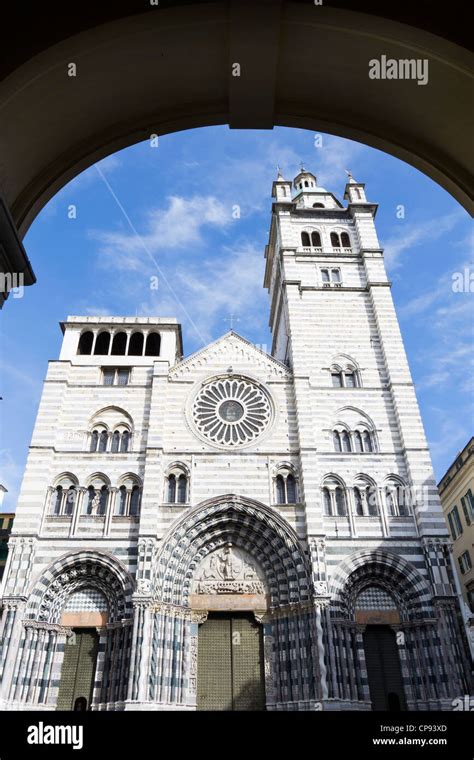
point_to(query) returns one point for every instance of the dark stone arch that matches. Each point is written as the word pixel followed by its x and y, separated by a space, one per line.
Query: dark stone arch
pixel 397 576
pixel 249 525
pixel 75 571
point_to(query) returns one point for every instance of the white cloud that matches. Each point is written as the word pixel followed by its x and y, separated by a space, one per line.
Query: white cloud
pixel 179 225
pixel 212 289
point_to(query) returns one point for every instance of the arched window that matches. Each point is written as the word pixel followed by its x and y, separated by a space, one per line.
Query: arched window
pixel 122 501
pixel 135 347
pixel 350 379
pixel 135 501
pixel 367 441
pixel 305 241
pixel 306 183
pixel 280 489
pixel 337 441
pixel 358 501
pixel 318 205
pixel 372 505
pixel 346 441
pixel 345 240
pixel 85 343
pixel 58 498
pixel 396 502
pixel 70 500
pixel 285 488
pixel 103 438
pixel 335 242
pixel 125 440
pixel 90 502
pixel 290 489
pixel 177 485
pixel 94 440
pixel 102 344
pixel 119 344
pixel 316 239
pixel 358 442
pixel 152 344
pixel 171 489
pixel 115 442
pixel 182 488
pixel 336 378
pixel 340 501
pixel 104 497
pixel 327 502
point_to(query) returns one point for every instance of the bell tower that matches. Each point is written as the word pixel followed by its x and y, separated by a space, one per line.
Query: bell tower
pixel 333 322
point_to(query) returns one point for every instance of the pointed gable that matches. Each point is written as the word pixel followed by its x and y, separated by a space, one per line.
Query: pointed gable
pixel 231 351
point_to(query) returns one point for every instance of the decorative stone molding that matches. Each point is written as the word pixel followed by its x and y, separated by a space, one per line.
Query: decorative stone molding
pixel 229 570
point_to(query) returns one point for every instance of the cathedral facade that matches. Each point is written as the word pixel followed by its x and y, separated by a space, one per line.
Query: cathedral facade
pixel 238 529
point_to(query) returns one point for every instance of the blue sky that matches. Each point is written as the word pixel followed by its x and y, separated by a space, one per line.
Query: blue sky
pixel 180 197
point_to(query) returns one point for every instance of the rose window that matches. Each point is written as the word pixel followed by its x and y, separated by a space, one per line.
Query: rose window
pixel 232 411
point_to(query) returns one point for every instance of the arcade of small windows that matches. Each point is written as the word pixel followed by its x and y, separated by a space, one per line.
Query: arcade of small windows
pixel 331 277
pixel 96 499
pixel 365 500
pixel 103 441
pixel 353 441
pixel 341 240
pixel 104 343
pixel 311 240
pixel 177 486
pixel 285 488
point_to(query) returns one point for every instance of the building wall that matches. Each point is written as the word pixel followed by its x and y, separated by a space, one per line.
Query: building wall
pixel 456 484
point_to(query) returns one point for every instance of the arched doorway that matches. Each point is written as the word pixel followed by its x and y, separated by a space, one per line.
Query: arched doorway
pixel 232 579
pixel 231 586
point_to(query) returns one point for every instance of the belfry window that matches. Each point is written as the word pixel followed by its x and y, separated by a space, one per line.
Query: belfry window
pixel 85 343
pixel 335 242
pixel 305 240
pixel 119 344
pixel 102 344
pixel 345 240
pixel 316 240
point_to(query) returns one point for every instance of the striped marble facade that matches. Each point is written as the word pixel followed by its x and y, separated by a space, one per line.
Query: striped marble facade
pixel 140 567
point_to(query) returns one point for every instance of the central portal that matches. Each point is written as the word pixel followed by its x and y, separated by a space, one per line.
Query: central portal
pixel 230 663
